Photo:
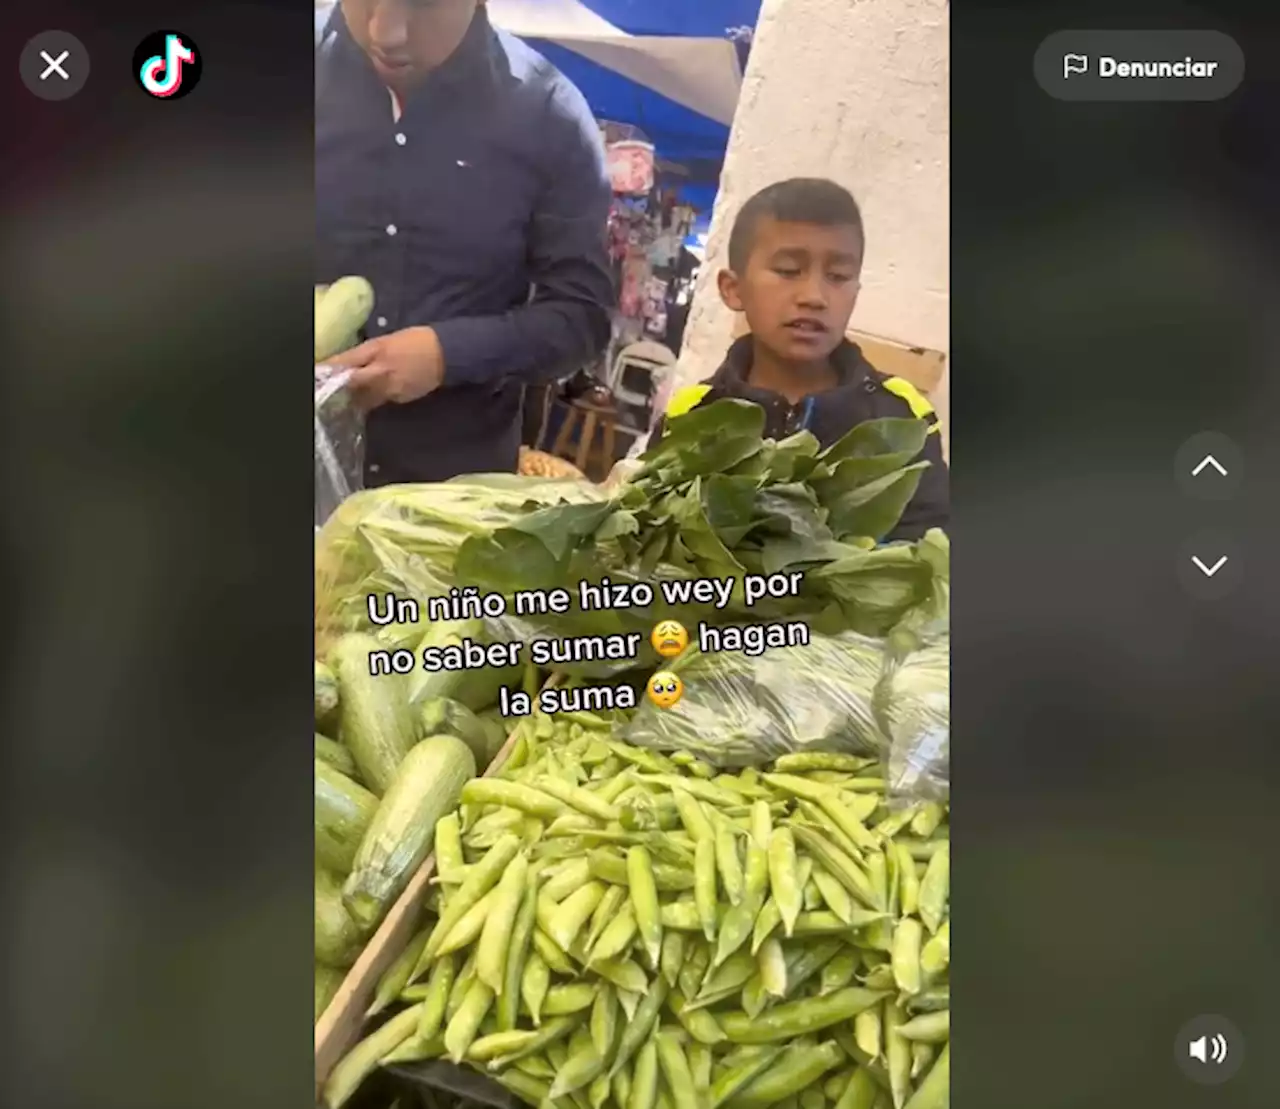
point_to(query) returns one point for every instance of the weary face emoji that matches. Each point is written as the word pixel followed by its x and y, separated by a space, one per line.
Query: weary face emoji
pixel 669 638
pixel 665 689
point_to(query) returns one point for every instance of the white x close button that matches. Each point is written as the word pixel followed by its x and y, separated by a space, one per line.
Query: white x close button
pixel 54 65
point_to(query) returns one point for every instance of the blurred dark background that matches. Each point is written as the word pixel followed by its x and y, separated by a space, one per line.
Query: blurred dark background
pixel 1115 290
pixel 1115 281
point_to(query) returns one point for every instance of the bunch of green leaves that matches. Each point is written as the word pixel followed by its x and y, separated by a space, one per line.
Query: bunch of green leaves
pixel 714 498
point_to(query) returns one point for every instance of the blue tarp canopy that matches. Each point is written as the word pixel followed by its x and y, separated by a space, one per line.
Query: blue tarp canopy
pixel 616 51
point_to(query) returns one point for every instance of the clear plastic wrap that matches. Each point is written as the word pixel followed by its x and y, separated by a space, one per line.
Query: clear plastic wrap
pixel 847 693
pixel 404 539
pixel 339 443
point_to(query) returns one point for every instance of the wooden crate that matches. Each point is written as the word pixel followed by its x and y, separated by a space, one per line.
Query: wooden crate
pixel 339 1027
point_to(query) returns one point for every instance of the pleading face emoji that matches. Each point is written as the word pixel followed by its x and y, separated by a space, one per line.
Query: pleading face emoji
pixel 665 689
pixel 669 638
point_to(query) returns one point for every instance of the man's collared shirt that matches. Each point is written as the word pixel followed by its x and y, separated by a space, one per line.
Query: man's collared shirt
pixel 477 207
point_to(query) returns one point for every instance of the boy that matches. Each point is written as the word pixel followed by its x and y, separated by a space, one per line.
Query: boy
pixel 795 255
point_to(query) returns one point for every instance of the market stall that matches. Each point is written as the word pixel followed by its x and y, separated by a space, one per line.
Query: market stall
pixel 710 869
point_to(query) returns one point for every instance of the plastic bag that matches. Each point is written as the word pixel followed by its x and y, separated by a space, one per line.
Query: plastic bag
pixel 404 539
pixel 913 713
pixel 846 693
pixel 339 443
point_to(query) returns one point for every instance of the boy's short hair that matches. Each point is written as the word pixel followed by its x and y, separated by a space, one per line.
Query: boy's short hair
pixel 798 200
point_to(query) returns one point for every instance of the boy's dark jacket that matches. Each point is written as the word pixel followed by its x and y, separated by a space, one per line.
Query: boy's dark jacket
pixel 864 393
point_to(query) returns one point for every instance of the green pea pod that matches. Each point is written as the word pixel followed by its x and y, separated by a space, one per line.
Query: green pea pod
pixel 581 1068
pixel 630 1002
pixel 907 938
pixel 897 1051
pixel 672 957
pixel 675 1069
pixel 755 999
pixel 623 973
pixel 730 975
pixel 798 1067
pixel 741 1074
pixel 802 761
pixel 839 973
pixel 414 1050
pixel 616 938
pixel 704 885
pixel 551 1034
pixel 530 1090
pixel 508 1006
pixel 535 980
pixel 537 1066
pixel 798 1018
pixel 573 913
pixel 922 1056
pixel 461 984
pixel 575 875
pixel 927 820
pixel 928 1028
pixel 700 1024
pixel 481 879
pixel 935 888
pixel 694 970
pixel 692 816
pixel 572 997
pixel 867 1032
pixel 930 1001
pixel 727 861
pixel 515 795
pixel 579 799
pixel 834 895
pixel 700 1065
pixel 621 1088
pixel 773 968
pixel 556 959
pixel 767 921
pixel 812 897
pixel 361 1060
pixel 935 1091
pixel 935 957
pixel 834 1086
pixel 497 1044
pixel 468 929
pixel 644 1078
pixel 604 1021
pixel 499 927
pixel 908 883
pixel 643 890
pixel 637 1032
pixel 812 1099
pixel 614 898
pixel 809 961
pixel 465 1023
pixel 860 1092
pixel 439 986
pixel 448 845
pixel 599 1091
pixel 394 981
pixel 878 876
pixel 788 895
pixel 839 865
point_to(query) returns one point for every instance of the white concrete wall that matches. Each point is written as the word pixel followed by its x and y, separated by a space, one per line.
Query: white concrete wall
pixel 854 90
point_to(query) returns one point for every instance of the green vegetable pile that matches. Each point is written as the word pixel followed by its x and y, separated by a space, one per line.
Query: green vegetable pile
pixel 614 928
pixel 380 787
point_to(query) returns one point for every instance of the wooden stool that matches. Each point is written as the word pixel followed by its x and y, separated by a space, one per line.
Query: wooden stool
pixel 586 418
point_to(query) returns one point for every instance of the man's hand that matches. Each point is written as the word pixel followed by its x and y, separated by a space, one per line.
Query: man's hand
pixel 395 368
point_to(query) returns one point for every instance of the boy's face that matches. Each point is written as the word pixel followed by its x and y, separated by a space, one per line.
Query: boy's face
pixel 799 287
pixel 407 39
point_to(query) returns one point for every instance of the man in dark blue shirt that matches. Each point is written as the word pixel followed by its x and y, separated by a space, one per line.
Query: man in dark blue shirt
pixel 463 176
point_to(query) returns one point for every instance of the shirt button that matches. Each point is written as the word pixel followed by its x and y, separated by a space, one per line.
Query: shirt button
pixel 391 229
pixel 400 139
pixel 382 321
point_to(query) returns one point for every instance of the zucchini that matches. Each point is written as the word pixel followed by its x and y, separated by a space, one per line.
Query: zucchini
pixel 326 693
pixel 328 979
pixel 337 937
pixel 341 313
pixel 377 725
pixel 337 756
pixel 445 716
pixel 343 812
pixel 476 689
pixel 399 838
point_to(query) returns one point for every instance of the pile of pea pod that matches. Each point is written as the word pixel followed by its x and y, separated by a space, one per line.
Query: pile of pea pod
pixel 614 928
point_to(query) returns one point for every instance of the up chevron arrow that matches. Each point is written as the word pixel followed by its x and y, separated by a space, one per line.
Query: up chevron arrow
pixel 1209 571
pixel 1209 460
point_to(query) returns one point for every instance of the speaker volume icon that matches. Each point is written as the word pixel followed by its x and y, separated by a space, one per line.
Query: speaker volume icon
pixel 1209 1049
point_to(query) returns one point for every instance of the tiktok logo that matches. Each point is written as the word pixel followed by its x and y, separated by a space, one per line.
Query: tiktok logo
pixel 167 65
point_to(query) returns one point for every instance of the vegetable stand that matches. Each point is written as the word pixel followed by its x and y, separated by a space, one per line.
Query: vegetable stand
pixel 721 903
